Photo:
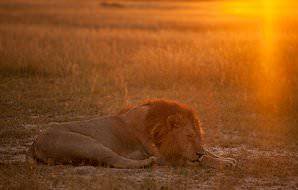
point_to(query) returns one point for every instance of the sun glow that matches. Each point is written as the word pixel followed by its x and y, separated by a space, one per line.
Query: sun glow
pixel 241 8
pixel 269 89
pixel 269 15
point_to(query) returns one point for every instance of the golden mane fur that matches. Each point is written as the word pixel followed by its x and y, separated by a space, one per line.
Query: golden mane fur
pixel 156 125
pixel 158 113
pixel 160 110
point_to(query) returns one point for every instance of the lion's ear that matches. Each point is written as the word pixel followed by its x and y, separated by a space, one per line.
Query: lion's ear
pixel 174 121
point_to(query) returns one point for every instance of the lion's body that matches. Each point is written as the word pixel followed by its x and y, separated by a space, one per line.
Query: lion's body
pixel 64 143
pixel 133 139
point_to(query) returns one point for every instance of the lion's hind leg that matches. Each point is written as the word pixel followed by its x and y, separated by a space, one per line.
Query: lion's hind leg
pixel 67 147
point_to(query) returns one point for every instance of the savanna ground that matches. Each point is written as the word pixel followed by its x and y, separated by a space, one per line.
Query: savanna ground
pixel 72 60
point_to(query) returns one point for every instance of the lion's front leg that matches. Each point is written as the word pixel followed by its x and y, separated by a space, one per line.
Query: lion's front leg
pixel 152 150
pixel 122 162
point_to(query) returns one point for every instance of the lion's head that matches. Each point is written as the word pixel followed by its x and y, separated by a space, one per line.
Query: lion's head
pixel 175 130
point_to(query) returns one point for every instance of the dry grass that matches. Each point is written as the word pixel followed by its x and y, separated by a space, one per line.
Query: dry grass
pixel 69 60
pixel 174 44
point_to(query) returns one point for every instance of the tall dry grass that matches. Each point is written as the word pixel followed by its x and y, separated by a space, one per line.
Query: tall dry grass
pixel 155 45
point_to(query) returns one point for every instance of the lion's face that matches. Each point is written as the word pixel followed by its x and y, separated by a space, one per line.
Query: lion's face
pixel 175 131
pixel 183 141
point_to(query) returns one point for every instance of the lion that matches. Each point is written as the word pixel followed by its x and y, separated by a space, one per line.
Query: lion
pixel 160 132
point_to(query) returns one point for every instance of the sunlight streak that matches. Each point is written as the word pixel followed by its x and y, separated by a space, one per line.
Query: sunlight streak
pixel 269 89
pixel 269 14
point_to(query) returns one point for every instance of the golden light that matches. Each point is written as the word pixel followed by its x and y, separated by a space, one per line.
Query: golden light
pixel 269 89
pixel 269 15
pixel 241 8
